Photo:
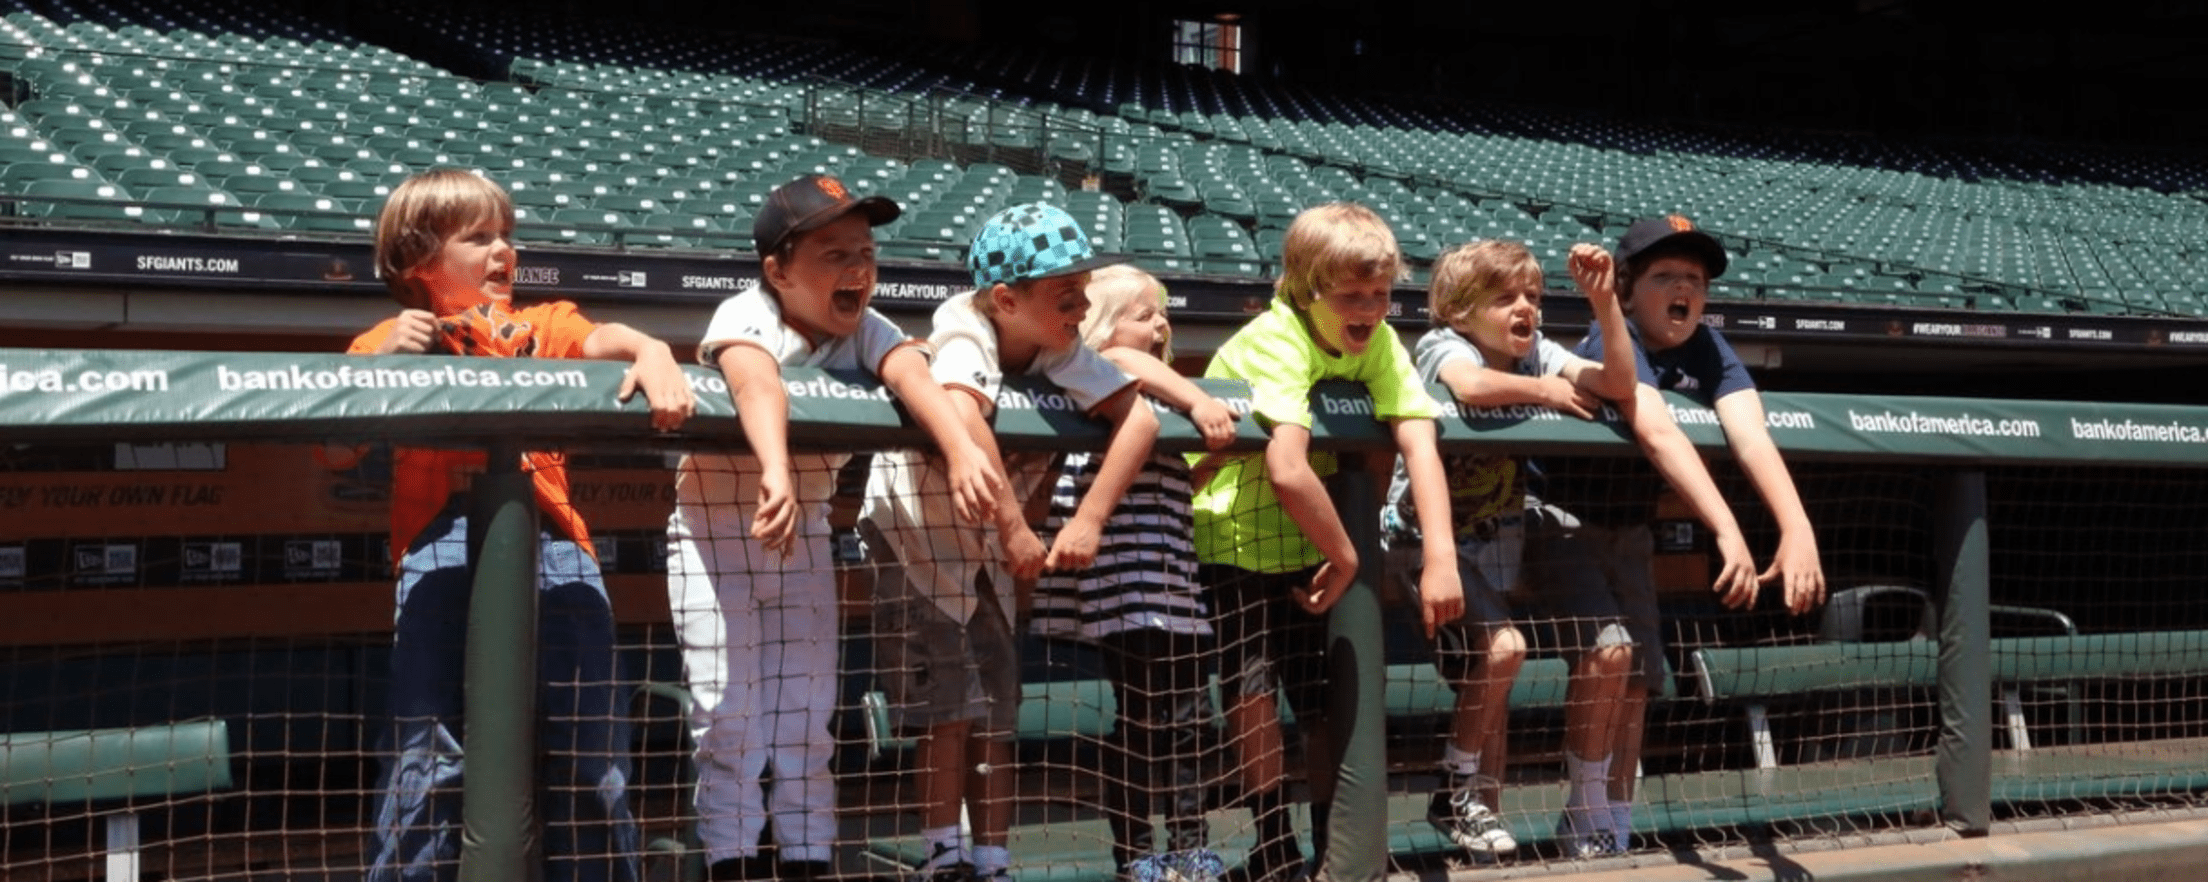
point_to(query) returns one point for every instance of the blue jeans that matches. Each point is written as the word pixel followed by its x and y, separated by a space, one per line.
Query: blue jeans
pixel 589 832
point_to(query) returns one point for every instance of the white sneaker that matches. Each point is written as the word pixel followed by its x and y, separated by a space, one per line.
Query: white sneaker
pixel 1458 813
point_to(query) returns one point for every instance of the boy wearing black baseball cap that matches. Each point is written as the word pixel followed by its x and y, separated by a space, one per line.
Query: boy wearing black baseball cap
pixel 750 573
pixel 1665 265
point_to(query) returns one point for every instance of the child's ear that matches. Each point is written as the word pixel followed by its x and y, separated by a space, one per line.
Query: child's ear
pixel 1002 298
pixel 771 267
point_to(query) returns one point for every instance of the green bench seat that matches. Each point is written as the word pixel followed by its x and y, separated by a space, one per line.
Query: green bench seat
pixel 108 765
pixel 1754 675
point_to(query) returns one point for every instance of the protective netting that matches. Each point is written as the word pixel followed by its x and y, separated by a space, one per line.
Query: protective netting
pixel 201 670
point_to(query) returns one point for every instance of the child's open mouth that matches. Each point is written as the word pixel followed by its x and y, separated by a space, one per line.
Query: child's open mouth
pixel 500 277
pixel 1521 328
pixel 1677 310
pixel 1357 333
pixel 848 300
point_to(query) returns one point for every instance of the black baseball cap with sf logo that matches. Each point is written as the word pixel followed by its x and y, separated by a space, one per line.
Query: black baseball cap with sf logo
pixel 809 203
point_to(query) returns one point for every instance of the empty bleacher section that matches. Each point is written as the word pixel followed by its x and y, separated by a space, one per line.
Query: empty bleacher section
pixel 628 135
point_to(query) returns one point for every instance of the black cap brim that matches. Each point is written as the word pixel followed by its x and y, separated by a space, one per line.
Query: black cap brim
pixel 879 210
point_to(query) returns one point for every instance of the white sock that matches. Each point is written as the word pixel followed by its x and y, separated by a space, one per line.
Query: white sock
pixel 991 859
pixel 945 838
pixel 1588 805
pixel 1621 820
pixel 1459 761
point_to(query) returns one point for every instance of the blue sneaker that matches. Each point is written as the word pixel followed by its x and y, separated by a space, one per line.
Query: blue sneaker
pixel 1588 844
pixel 1192 865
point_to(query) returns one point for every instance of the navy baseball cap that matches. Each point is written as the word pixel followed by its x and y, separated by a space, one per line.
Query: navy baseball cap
pixel 1672 231
pixel 809 203
pixel 1031 241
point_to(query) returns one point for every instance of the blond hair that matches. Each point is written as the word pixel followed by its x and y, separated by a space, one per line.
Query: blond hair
pixel 1476 272
pixel 421 214
pixel 1112 291
pixel 1333 243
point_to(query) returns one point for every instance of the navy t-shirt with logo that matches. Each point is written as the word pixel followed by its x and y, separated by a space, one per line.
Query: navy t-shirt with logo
pixel 1618 491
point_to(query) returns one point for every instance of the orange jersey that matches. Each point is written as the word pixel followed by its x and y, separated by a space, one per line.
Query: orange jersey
pixel 423 479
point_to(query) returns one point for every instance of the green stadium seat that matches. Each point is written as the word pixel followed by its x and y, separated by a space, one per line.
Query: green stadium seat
pixel 88 200
pixel 358 189
pixel 18 174
pixel 302 211
pixel 676 230
pixel 182 204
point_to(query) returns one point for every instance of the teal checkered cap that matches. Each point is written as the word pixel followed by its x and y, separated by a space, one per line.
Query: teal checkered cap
pixel 1031 241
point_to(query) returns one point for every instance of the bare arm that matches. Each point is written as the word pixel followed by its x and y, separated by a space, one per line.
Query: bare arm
pixel 1440 593
pixel 1614 378
pixel 1796 561
pixel 975 487
pixel 652 369
pixel 1134 431
pixel 1482 386
pixel 1023 552
pixel 1303 497
pixel 1681 465
pixel 1212 418
pixel 763 412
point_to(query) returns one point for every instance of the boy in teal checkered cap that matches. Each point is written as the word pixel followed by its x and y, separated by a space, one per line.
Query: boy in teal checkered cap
pixel 944 624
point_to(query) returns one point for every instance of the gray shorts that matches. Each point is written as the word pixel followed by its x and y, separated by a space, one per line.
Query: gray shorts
pixel 932 668
pixel 935 670
pixel 1599 585
pixel 1488 566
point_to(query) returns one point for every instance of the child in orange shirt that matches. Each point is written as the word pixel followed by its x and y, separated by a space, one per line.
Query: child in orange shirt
pixel 443 246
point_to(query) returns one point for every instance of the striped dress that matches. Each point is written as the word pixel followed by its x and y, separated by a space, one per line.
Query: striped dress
pixel 1145 570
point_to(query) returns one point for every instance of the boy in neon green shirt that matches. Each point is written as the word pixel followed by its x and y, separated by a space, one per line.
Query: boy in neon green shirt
pixel 1269 542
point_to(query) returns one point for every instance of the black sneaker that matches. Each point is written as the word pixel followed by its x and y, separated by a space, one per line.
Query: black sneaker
pixel 740 869
pixel 947 864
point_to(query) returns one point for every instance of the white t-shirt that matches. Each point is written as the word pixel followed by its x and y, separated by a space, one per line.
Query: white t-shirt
pixel 727 484
pixel 908 495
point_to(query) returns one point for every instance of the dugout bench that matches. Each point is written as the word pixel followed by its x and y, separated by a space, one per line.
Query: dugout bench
pixel 111 767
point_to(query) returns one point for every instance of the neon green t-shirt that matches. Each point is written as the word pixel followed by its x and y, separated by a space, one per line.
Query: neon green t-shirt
pixel 1239 519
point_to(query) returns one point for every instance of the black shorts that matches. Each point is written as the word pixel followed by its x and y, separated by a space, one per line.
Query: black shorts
pixel 1266 640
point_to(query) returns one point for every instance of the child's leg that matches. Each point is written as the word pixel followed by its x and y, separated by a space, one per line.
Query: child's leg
pixel 1633 580
pixel 1625 756
pixel 1483 695
pixel 590 834
pixel 927 673
pixel 1481 654
pixel 1242 622
pixel 1129 657
pixel 798 670
pixel 417 809
pixel 1573 575
pixel 995 665
pixel 717 622
pixel 940 761
pixel 1178 749
pixel 1299 642
pixel 1482 662
pixel 940 765
pixel 988 783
